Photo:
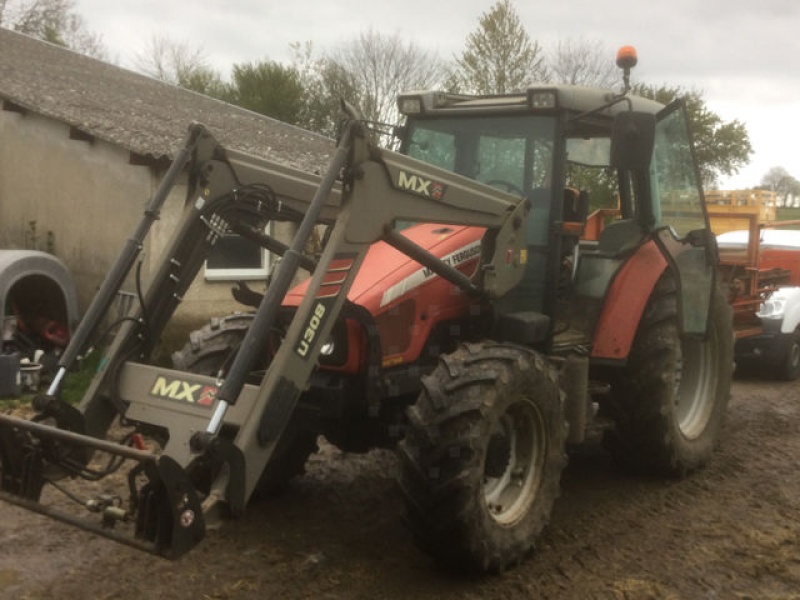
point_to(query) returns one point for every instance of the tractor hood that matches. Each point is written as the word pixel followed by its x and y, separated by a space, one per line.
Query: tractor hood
pixel 388 275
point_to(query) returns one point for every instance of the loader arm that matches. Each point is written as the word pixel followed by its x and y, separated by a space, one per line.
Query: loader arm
pixel 379 187
pixel 228 429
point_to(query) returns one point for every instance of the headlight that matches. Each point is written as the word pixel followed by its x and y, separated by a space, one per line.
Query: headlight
pixel 773 308
pixel 333 353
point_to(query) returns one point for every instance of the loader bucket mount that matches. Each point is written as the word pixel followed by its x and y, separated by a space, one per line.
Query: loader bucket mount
pixel 164 516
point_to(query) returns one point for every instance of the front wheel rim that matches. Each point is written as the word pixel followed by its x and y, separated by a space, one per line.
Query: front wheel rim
pixel 509 496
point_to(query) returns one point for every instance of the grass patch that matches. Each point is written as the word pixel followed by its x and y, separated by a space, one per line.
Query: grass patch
pixel 788 214
pixel 10 404
pixel 72 389
pixel 76 382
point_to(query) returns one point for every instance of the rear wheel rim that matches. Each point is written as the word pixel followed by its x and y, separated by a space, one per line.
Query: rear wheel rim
pixel 509 497
pixel 696 385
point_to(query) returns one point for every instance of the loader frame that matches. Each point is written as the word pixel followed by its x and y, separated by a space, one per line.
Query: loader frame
pixel 230 425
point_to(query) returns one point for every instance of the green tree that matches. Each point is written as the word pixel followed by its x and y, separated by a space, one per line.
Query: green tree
pixel 53 21
pixel 269 88
pixel 778 180
pixel 205 80
pixel 775 179
pixel 499 57
pixel 721 148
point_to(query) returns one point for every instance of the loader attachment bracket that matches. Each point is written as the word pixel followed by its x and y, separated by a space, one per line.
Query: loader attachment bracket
pixel 222 451
pixel 169 515
pixel 164 507
pixel 66 416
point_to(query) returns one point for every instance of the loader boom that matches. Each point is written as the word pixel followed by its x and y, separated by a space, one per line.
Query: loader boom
pixel 363 192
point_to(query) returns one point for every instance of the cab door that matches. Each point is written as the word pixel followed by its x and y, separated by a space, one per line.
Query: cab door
pixel 682 227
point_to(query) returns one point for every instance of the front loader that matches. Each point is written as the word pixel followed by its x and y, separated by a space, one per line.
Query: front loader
pixel 460 311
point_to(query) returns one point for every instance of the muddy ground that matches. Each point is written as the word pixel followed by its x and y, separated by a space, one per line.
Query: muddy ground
pixel 729 531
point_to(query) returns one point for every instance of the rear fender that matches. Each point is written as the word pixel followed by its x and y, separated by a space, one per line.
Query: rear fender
pixel 625 301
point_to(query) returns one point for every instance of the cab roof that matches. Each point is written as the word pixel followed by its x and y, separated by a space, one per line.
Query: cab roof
pixel 572 98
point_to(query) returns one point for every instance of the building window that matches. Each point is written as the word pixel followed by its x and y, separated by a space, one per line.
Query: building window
pixel 233 257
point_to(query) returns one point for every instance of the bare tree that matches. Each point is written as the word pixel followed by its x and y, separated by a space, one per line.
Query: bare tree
pixel 169 60
pixel 5 13
pixel 583 62
pixel 325 83
pixel 77 37
pixel 54 21
pixel 499 56
pixel 380 67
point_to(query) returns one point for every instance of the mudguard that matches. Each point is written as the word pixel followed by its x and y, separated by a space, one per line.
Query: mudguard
pixel 625 302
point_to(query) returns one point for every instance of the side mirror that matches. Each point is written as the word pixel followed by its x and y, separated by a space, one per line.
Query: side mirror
pixel 633 136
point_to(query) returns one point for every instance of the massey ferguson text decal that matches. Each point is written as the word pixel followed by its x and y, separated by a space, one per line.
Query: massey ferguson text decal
pixel 417 278
pixel 184 391
pixel 427 188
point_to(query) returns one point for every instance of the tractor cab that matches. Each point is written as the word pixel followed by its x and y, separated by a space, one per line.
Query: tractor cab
pixel 604 175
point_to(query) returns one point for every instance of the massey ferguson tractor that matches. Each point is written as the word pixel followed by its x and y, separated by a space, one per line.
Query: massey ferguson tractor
pixel 459 311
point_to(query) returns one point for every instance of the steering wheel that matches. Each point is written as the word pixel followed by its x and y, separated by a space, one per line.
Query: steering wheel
pixel 510 187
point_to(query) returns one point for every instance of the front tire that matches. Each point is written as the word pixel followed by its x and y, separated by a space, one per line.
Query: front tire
pixel 669 401
pixel 210 351
pixel 483 456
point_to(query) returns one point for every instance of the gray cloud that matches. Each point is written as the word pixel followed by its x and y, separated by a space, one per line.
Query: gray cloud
pixel 740 53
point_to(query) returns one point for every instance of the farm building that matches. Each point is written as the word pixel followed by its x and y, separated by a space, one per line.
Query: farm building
pixel 83 146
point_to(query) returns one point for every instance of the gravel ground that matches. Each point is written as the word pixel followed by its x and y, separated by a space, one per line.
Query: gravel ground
pixel 731 530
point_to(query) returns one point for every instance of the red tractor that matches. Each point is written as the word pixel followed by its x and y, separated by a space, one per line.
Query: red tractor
pixel 455 312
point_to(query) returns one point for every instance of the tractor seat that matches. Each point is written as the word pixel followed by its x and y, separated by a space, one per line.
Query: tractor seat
pixel 620 237
pixel 576 205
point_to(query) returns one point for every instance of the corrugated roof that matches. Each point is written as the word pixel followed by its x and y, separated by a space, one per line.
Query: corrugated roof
pixel 143 115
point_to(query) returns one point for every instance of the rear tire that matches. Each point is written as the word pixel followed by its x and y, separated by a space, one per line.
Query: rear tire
pixel 483 456
pixel 210 350
pixel 669 402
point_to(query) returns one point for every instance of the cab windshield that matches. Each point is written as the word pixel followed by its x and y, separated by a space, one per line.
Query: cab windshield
pixel 513 153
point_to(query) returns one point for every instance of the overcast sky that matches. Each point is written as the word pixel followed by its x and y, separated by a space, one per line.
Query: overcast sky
pixel 744 55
